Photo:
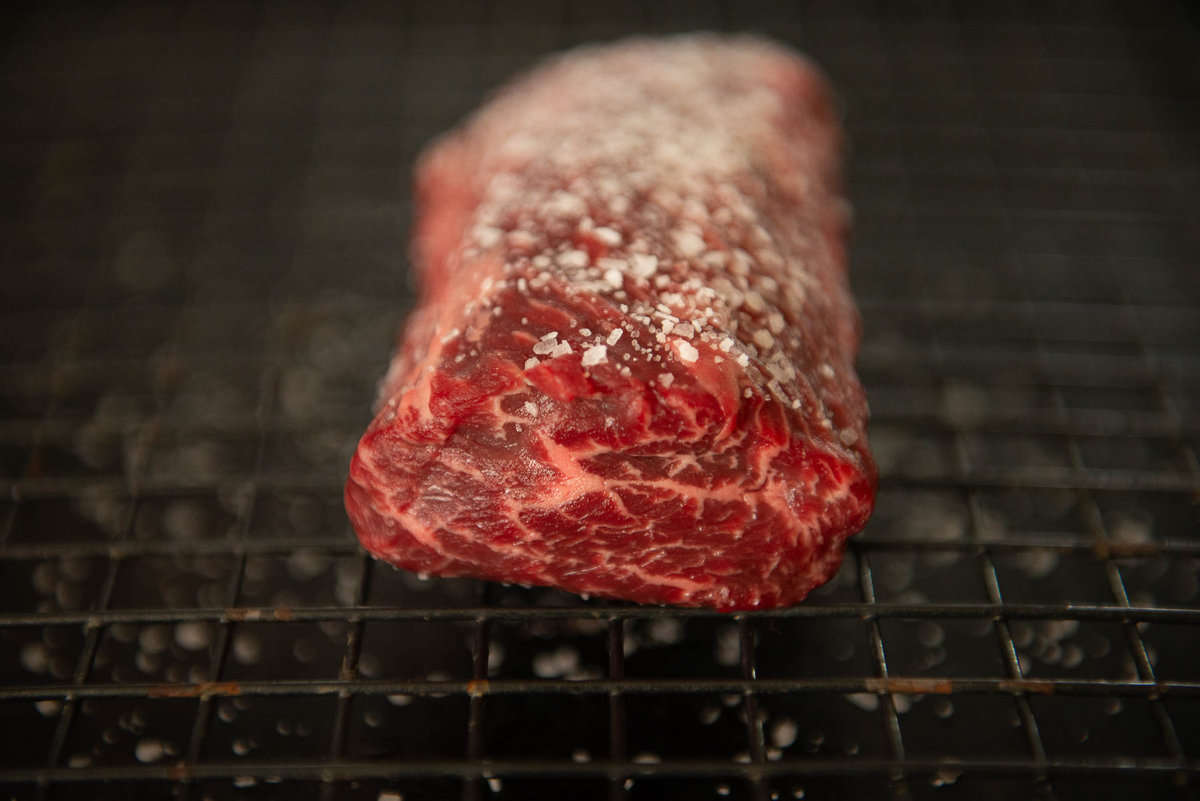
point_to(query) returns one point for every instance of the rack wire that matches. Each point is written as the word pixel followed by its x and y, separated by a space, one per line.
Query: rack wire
pixel 207 207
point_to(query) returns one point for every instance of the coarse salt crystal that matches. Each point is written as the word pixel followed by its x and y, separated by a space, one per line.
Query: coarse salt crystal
pixel 763 338
pixel 688 243
pixel 614 336
pixel 668 326
pixel 531 408
pixel 848 436
pixel 521 239
pixel 643 266
pixel 743 359
pixel 666 379
pixel 543 347
pixel 549 336
pixel 561 349
pixel 672 299
pixel 614 278
pixel 684 330
pixel 566 204
pixel 726 344
pixel 532 362
pixel 573 258
pixel 686 351
pixel 149 750
pixel 826 370
pixel 741 262
pixel 608 236
pixel 487 236
pixel 597 354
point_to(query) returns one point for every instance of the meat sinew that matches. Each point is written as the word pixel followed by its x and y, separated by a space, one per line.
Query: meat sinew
pixel 631 370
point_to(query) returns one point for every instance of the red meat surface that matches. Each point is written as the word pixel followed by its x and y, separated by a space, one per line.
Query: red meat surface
pixel 631 370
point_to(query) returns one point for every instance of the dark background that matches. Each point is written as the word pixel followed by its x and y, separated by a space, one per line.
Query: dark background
pixel 202 245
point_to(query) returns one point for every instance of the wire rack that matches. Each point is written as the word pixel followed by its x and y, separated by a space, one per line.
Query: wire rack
pixel 206 211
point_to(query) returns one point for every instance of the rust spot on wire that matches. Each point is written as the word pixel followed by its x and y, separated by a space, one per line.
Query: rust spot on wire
pixel 1105 549
pixel 477 687
pixel 911 686
pixel 195 690
pixel 180 771
pixel 284 613
pixel 1027 686
pixel 236 615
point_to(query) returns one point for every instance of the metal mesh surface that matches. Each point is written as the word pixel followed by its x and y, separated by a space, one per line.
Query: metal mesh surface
pixel 206 211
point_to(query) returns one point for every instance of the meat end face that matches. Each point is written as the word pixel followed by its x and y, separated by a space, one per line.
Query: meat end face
pixel 631 371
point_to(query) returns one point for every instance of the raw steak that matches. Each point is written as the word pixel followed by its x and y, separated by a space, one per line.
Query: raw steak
pixel 630 373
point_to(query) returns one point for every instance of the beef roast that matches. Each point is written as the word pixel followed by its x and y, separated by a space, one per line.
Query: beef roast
pixel 631 370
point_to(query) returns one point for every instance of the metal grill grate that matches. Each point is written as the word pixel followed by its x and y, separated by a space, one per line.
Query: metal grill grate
pixel 205 206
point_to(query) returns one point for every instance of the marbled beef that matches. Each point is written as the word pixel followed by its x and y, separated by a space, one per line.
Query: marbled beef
pixel 631 371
